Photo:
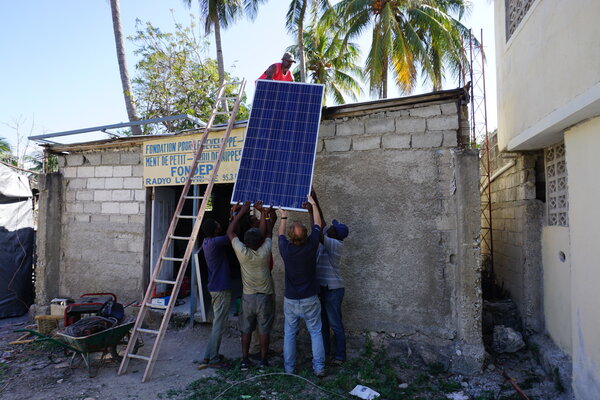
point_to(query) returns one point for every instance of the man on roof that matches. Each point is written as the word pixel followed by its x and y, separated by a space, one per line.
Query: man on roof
pixel 280 71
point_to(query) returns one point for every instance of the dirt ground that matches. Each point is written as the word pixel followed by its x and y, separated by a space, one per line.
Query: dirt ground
pixel 39 371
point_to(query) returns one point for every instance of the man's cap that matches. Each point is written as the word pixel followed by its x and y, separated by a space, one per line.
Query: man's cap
pixel 340 229
pixel 288 56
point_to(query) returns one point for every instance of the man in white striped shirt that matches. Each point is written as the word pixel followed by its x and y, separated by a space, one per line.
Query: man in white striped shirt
pixel 332 286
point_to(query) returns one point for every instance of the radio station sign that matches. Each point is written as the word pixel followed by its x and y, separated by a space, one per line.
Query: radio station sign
pixel 168 161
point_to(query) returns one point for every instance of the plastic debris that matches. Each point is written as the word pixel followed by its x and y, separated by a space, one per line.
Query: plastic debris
pixel 457 396
pixel 364 392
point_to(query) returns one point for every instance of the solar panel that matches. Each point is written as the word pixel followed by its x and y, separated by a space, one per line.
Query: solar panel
pixel 280 144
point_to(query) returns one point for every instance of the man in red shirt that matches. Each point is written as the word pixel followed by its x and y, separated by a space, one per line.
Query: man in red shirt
pixel 280 71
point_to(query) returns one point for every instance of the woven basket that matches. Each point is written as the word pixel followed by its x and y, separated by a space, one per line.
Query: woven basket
pixel 47 323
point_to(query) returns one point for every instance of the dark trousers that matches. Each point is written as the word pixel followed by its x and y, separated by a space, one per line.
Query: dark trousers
pixel 331 317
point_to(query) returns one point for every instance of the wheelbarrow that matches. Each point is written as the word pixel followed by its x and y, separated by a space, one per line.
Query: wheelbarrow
pixel 105 341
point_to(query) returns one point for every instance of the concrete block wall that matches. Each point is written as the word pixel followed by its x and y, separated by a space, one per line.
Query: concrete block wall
pixel 102 223
pixel 517 218
pixel 411 264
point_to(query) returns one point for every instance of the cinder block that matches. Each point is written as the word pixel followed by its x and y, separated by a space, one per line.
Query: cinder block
pixel 396 141
pixel 85 172
pixel 110 208
pixel 327 129
pixel 84 195
pixel 380 125
pixel 102 195
pixel 137 170
pixel 427 111
pixel 73 208
pixel 119 219
pixel 338 144
pixel 96 183
pixel 69 172
pixel 100 218
pixel 122 170
pixel 140 195
pixel 113 183
pixel 443 123
pixel 93 158
pixel 70 195
pixel 62 161
pixel 82 218
pixel 135 246
pixel 130 158
pixel 77 183
pixel 450 139
pixel 139 219
pixel 366 142
pixel 398 113
pixel 449 108
pixel 74 160
pixel 410 125
pixel 92 207
pixel 320 145
pixel 133 183
pixel 109 158
pixel 129 208
pixel 122 195
pixel 427 140
pixel 104 171
pixel 350 127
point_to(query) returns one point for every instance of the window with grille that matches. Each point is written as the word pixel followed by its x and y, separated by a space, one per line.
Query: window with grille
pixel 515 12
pixel 557 185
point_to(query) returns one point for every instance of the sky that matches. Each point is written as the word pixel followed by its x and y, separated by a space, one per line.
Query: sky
pixel 60 71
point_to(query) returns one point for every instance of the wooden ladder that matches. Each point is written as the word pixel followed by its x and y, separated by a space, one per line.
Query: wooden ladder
pixel 221 107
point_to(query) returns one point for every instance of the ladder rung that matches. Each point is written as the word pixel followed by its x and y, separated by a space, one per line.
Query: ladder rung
pixel 222 112
pixel 194 197
pixel 228 98
pixel 156 306
pixel 138 357
pixel 172 259
pixel 233 83
pixel 151 331
pixel 180 237
pixel 186 216
pixel 164 281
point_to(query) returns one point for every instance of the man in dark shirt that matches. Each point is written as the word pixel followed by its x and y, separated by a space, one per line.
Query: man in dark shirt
pixel 301 287
pixel 214 247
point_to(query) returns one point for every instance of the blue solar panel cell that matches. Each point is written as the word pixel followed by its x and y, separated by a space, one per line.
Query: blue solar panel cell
pixel 280 144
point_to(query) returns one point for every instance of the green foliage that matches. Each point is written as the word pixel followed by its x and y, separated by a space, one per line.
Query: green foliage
pixel 174 76
pixel 331 62
pixel 408 37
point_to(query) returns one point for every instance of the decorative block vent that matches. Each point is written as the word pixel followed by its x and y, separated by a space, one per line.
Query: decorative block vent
pixel 515 12
pixel 557 185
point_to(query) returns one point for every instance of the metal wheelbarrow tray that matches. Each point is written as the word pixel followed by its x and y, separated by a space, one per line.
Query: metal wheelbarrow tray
pixel 104 341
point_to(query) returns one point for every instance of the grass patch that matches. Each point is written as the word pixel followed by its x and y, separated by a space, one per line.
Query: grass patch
pixel 373 368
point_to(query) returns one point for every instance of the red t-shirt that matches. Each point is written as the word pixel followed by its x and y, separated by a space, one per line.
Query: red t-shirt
pixel 278 75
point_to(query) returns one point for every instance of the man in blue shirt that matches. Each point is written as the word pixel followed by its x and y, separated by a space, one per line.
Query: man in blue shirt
pixel 215 252
pixel 299 255
pixel 332 285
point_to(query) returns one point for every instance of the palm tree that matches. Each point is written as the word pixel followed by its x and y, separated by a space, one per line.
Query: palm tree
pixel 125 82
pixel 6 154
pixel 295 18
pixel 406 35
pixel 220 14
pixel 330 62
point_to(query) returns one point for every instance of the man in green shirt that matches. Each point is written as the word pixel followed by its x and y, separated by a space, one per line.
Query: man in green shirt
pixel 258 304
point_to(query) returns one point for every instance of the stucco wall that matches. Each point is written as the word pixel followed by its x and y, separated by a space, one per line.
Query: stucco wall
pixel 548 69
pixel 557 285
pixel 582 143
pixel 102 223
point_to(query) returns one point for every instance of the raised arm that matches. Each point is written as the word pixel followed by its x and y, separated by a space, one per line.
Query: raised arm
pixel 235 223
pixel 318 206
pixel 271 71
pixel 271 219
pixel 262 223
pixel 283 224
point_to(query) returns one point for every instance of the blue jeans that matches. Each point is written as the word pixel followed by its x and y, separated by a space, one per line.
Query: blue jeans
pixel 331 316
pixel 309 310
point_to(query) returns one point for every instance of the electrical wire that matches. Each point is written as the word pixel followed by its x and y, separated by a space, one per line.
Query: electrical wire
pixel 280 373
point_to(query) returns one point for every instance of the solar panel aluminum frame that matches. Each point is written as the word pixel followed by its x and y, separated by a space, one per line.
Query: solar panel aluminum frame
pixel 248 126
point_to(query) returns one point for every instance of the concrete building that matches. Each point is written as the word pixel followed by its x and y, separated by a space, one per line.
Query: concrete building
pixel 397 172
pixel 544 213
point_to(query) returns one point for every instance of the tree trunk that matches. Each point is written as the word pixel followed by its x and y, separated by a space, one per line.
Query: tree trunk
pixel 301 43
pixel 120 45
pixel 220 62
